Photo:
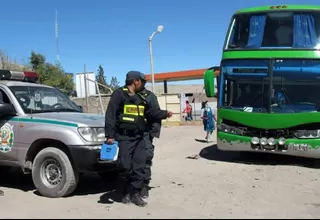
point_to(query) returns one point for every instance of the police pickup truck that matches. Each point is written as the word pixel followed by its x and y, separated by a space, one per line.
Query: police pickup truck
pixel 47 134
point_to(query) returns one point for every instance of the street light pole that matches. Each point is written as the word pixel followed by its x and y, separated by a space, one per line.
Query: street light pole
pixel 151 62
pixel 160 29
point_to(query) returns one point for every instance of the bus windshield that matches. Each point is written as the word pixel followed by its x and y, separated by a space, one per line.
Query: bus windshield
pixel 289 93
pixel 283 29
pixel 294 93
pixel 248 94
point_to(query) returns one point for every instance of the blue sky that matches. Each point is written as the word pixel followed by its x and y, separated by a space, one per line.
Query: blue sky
pixel 114 33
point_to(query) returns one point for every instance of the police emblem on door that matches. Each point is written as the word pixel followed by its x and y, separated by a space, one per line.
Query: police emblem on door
pixel 6 138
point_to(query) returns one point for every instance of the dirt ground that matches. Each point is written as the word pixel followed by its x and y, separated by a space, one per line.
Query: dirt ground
pixel 214 185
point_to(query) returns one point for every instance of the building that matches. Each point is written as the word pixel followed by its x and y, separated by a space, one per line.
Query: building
pixel 80 84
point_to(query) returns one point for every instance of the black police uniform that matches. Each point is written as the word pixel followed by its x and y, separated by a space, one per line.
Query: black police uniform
pixel 125 121
pixel 154 129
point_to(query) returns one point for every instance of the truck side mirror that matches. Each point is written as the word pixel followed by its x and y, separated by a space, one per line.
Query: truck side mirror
pixel 80 106
pixel 7 110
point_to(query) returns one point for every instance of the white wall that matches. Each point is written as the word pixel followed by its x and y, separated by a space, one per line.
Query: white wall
pixel 196 109
pixel 80 87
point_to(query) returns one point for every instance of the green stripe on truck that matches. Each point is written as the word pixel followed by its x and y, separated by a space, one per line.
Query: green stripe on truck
pixel 44 121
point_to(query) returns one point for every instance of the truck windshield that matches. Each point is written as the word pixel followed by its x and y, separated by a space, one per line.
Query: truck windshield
pixel 293 93
pixel 248 94
pixel 275 30
pixel 38 99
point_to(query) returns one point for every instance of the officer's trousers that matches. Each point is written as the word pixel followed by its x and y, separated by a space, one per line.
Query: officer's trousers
pixel 132 163
pixel 149 156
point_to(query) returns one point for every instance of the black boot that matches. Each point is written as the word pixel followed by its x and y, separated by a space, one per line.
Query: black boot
pixel 124 190
pixel 137 200
pixel 145 192
pixel 126 199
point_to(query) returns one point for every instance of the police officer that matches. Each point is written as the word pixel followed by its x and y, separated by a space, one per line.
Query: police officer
pixel 153 131
pixel 126 122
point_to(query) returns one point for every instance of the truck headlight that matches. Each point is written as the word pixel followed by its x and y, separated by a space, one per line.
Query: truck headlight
pixel 307 134
pixel 92 134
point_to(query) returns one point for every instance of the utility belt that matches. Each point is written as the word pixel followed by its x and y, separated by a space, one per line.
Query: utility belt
pixel 130 133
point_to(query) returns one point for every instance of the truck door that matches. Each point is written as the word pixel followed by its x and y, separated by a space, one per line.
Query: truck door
pixel 8 132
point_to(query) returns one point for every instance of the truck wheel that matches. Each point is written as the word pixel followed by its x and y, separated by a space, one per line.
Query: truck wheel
pixel 53 174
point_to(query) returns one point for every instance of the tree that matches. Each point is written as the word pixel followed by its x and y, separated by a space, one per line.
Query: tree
pixel 37 60
pixel 100 78
pixel 5 63
pixel 114 83
pixel 51 75
pixel 9 64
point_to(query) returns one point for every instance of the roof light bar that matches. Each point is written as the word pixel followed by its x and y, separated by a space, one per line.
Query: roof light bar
pixel 31 76
pixel 19 76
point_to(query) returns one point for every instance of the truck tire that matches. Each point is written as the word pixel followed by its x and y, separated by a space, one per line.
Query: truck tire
pixel 53 173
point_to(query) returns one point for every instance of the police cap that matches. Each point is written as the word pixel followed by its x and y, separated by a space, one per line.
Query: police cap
pixel 135 75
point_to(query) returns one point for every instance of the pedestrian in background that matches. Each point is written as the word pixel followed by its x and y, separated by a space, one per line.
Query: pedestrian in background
pixel 188 110
pixel 208 120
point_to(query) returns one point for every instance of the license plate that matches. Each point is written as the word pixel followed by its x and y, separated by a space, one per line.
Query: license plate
pixel 298 147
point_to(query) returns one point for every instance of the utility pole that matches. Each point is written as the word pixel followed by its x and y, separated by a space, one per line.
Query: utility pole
pixel 85 87
pixel 57 37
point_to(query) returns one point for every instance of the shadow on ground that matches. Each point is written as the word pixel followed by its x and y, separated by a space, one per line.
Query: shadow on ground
pixel 213 153
pixel 89 184
pixel 201 140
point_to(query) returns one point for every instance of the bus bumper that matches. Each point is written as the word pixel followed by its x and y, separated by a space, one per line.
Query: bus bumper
pixel 294 147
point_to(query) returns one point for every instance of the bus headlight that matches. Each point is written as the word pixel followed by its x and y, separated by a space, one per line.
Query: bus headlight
pixel 263 141
pixel 271 141
pixel 304 134
pixel 282 141
pixel 255 140
pixel 230 129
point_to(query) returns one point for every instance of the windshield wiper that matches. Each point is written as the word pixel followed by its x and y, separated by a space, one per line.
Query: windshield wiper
pixel 59 110
pixel 255 99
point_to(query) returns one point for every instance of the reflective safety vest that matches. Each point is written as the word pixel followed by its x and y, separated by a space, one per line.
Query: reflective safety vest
pixel 132 118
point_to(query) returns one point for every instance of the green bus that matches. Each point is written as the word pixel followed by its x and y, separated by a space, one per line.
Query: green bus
pixel 268 88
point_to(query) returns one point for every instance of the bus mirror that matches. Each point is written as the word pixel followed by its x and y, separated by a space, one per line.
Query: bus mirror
pixel 209 83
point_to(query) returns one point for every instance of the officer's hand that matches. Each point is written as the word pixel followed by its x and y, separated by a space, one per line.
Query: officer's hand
pixel 110 140
pixel 169 114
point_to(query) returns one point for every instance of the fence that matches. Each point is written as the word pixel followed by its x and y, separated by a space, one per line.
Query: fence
pixel 90 103
pixel 173 102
